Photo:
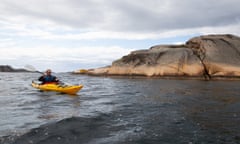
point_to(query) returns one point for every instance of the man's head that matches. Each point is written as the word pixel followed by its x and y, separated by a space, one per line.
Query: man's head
pixel 48 71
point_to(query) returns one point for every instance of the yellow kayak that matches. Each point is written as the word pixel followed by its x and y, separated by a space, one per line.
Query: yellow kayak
pixel 68 89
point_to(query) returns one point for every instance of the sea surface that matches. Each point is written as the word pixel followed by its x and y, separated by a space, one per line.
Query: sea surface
pixel 145 110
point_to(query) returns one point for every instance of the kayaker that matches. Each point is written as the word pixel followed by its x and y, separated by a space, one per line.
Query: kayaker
pixel 48 78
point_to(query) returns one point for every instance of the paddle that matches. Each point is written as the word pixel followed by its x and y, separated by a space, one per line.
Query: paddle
pixel 32 69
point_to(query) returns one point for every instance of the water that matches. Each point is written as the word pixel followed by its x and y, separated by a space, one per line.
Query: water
pixel 136 110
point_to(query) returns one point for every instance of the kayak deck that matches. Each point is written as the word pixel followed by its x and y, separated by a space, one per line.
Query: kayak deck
pixel 68 89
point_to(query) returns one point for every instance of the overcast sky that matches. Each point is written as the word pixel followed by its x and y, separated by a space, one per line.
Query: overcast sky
pixel 66 35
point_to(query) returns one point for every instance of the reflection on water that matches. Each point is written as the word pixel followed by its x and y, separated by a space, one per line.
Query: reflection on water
pixel 144 110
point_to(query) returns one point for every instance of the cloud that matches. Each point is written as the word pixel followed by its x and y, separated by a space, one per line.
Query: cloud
pixel 125 15
pixel 94 19
pixel 67 34
pixel 46 57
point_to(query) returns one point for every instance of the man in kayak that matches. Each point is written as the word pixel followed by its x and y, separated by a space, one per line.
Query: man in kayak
pixel 47 78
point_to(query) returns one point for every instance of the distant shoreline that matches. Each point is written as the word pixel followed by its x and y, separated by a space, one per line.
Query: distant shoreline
pixel 8 68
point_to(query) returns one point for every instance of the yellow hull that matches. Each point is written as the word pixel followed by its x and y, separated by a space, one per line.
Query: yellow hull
pixel 68 89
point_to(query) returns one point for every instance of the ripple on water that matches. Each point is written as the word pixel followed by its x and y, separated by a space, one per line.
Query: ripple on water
pixel 130 110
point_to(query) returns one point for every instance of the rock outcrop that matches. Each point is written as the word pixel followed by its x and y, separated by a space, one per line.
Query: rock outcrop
pixel 219 54
pixel 209 56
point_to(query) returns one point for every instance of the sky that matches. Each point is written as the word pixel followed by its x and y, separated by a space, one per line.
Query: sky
pixel 67 35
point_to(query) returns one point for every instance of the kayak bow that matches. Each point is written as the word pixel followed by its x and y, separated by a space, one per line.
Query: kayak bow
pixel 68 89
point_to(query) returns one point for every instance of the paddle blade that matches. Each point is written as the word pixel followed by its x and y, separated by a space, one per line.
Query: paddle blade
pixel 31 69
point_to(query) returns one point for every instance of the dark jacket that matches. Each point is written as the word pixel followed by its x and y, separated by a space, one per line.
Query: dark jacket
pixel 48 79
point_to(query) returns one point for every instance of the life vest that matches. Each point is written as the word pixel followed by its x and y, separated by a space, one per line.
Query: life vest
pixel 49 80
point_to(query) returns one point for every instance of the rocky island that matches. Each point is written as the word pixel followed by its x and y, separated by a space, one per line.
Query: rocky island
pixel 7 68
pixel 207 57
